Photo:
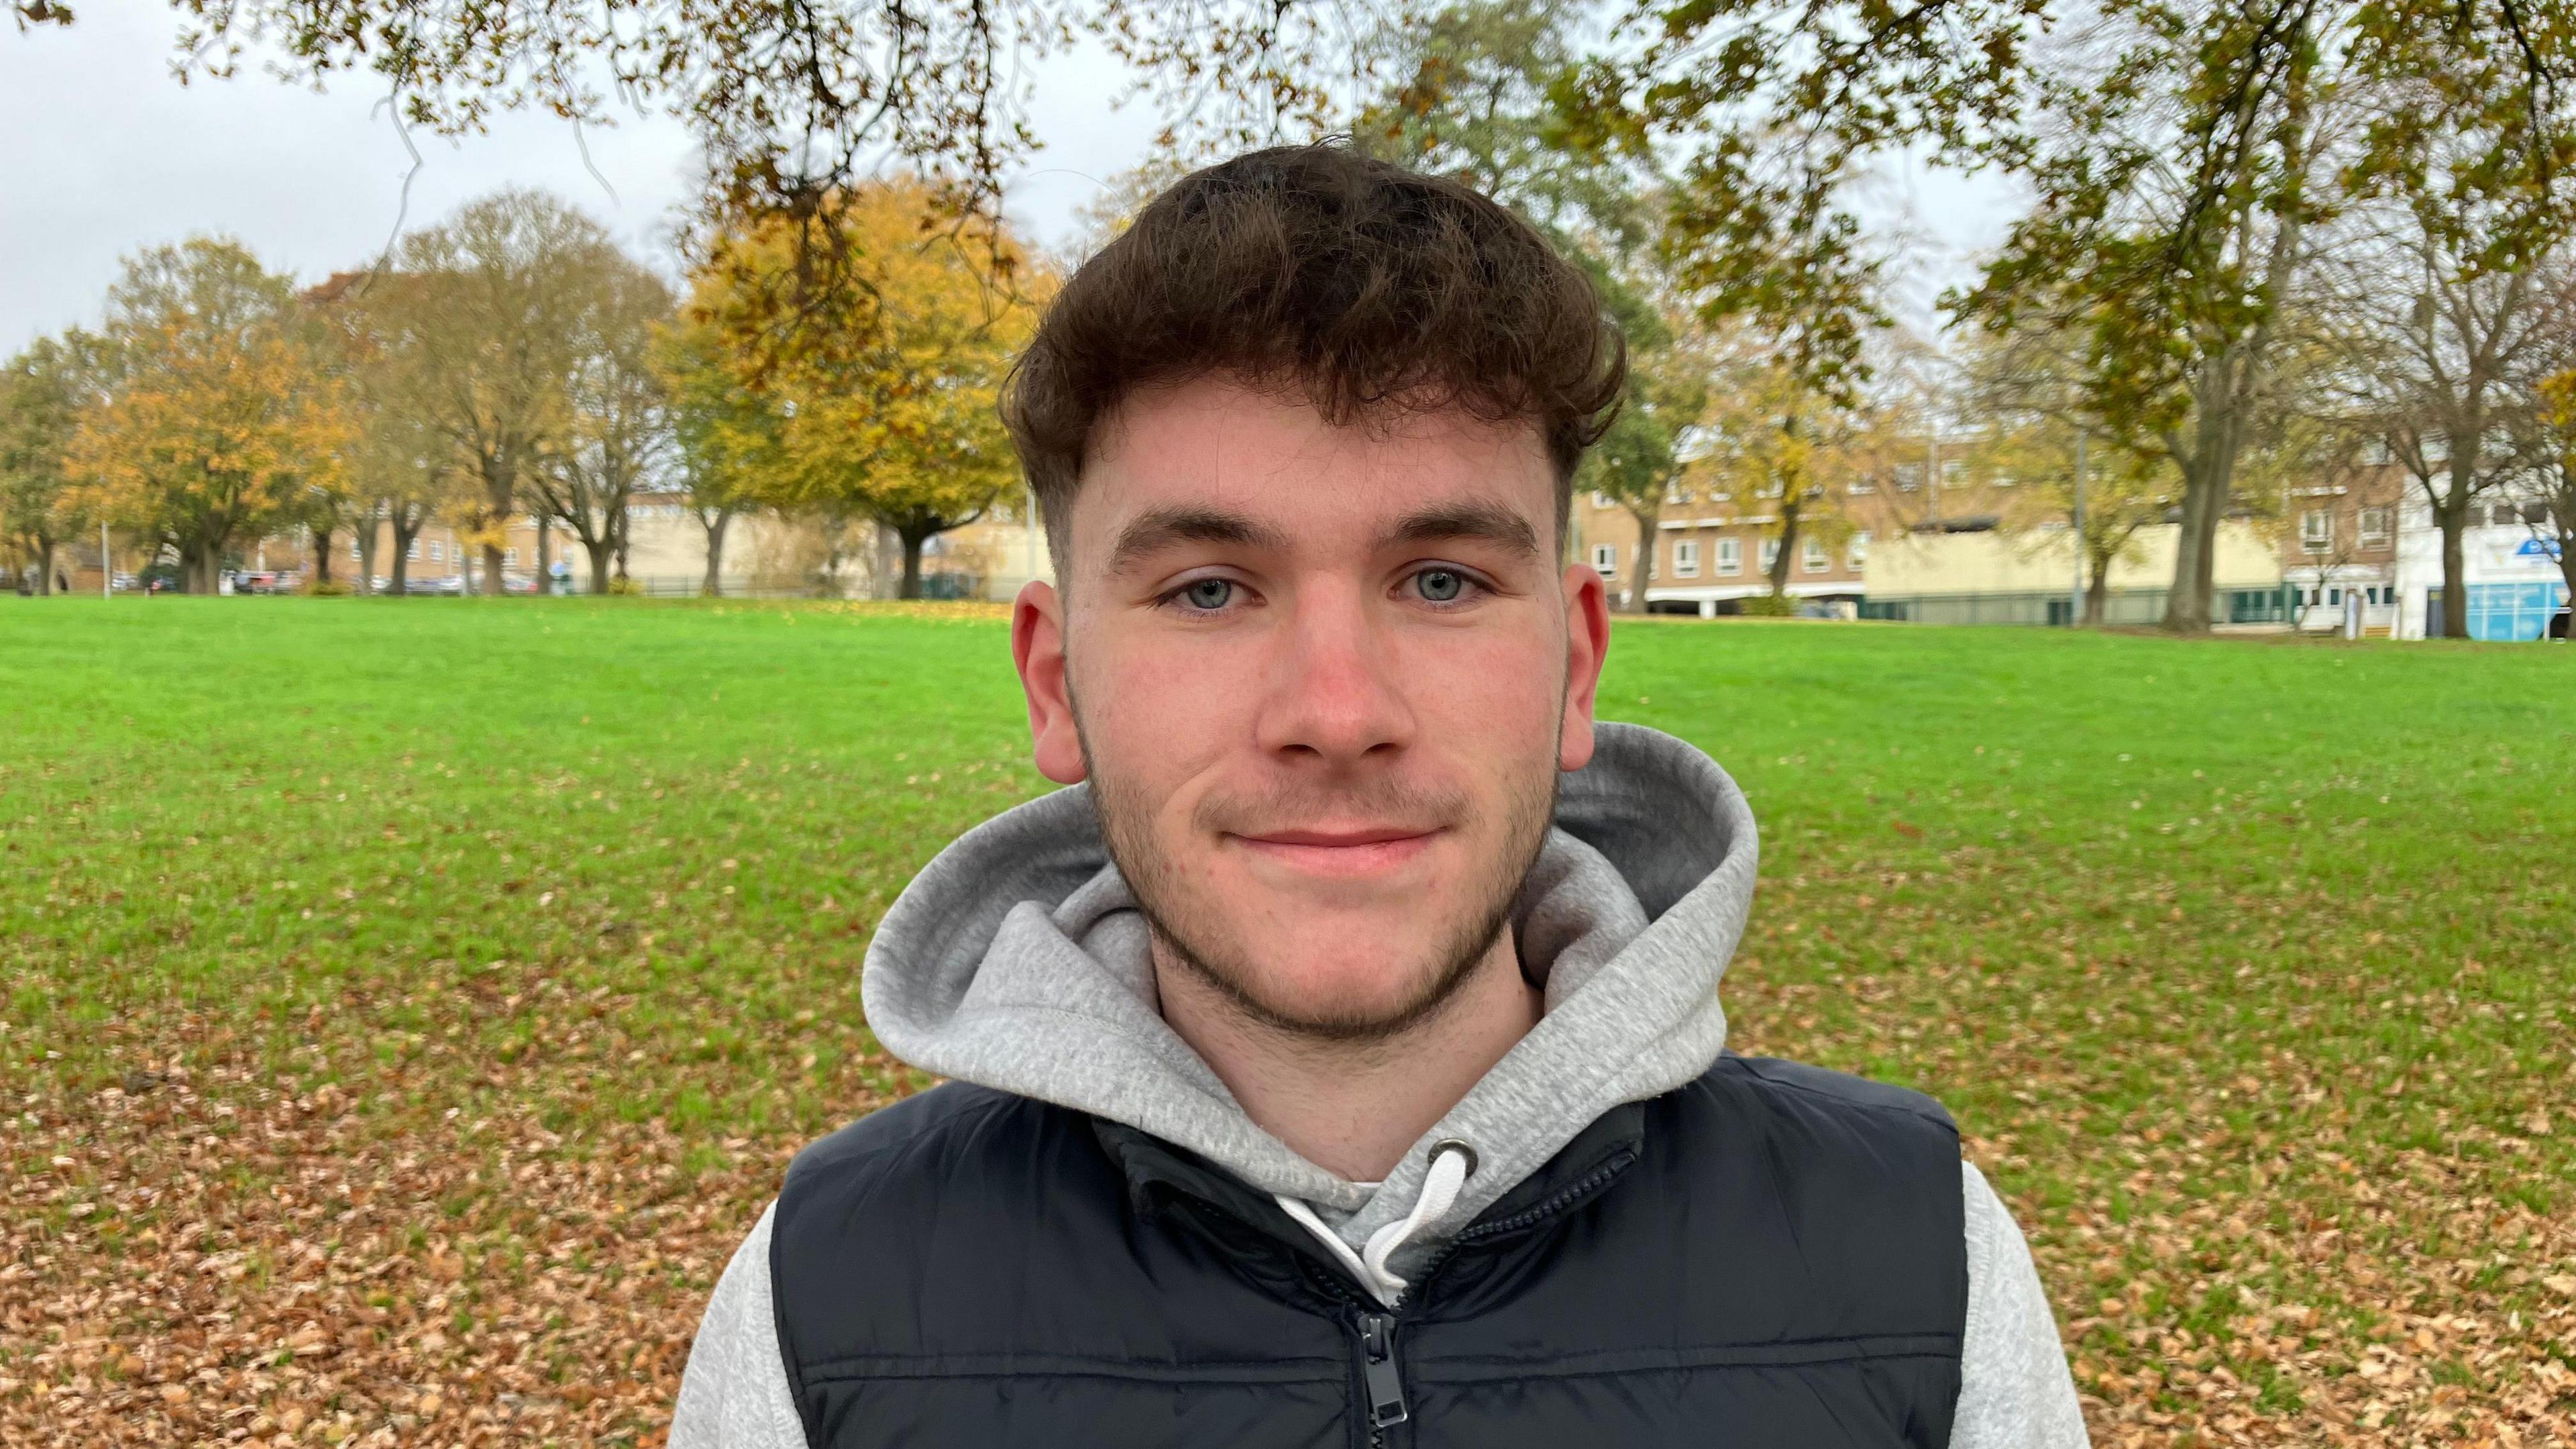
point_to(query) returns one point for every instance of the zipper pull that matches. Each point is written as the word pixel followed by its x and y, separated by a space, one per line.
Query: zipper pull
pixel 1377 1370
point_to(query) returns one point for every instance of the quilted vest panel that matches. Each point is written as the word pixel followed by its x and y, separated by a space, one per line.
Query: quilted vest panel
pixel 1771 1255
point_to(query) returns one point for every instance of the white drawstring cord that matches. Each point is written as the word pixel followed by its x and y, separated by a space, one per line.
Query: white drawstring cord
pixel 1451 1162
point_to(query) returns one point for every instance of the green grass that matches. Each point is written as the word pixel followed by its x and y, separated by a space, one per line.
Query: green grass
pixel 2244 964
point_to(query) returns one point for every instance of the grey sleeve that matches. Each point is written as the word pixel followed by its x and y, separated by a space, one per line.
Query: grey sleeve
pixel 733 1394
pixel 2014 1388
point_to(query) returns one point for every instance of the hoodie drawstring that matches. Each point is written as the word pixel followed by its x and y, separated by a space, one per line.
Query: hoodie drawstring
pixel 1451 1162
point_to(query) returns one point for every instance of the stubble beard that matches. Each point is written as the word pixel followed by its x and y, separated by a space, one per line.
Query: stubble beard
pixel 1198 942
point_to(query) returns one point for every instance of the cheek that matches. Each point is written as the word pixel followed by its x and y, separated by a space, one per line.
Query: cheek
pixel 1154 718
pixel 1496 695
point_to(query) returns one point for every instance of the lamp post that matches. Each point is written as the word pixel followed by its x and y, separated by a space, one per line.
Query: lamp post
pixel 2075 601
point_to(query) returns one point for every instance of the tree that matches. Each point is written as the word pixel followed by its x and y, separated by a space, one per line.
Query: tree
pixel 1787 449
pixel 2071 471
pixel 2444 343
pixel 42 391
pixel 725 437
pixel 886 411
pixel 218 416
pixel 405 464
pixel 490 319
pixel 615 430
pixel 2176 276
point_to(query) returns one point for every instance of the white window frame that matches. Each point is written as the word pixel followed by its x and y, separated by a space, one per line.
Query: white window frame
pixel 509 558
pixel 1685 558
pixel 1814 557
pixel 436 553
pixel 1730 557
pixel 1770 555
pixel 1859 550
pixel 2316 531
pixel 1605 560
pixel 2377 528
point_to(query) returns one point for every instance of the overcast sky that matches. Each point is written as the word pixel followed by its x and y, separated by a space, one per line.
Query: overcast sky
pixel 108 153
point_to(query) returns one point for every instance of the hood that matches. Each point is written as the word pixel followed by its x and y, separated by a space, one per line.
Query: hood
pixel 1017 960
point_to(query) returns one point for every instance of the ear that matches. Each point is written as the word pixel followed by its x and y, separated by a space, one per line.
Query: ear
pixel 1587 643
pixel 1037 648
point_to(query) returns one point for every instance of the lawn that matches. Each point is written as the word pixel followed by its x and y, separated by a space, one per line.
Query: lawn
pixel 408 1004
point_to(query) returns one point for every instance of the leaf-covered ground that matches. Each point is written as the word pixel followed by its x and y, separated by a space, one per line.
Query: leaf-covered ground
pixel 410 1003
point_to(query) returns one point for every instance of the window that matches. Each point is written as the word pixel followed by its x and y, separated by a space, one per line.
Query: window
pixel 1600 499
pixel 353 549
pixel 1814 558
pixel 1686 558
pixel 2374 528
pixel 1862 485
pixel 435 555
pixel 1730 556
pixel 1675 494
pixel 1909 477
pixel 1770 554
pixel 2316 530
pixel 1860 548
pixel 509 557
pixel 1954 472
pixel 1605 560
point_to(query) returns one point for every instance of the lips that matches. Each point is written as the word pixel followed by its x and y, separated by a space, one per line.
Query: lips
pixel 1350 853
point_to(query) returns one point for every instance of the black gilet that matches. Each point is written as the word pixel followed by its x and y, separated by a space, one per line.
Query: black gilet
pixel 1769 1256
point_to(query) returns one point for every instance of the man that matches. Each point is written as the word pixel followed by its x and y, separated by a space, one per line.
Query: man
pixel 1340 1062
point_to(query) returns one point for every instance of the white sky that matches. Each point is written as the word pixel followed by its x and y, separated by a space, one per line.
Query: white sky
pixel 109 153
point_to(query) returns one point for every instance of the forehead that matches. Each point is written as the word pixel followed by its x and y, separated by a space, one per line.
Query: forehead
pixel 1272 457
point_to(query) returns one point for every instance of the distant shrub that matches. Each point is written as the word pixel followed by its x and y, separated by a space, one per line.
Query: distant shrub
pixel 328 588
pixel 621 584
pixel 1771 606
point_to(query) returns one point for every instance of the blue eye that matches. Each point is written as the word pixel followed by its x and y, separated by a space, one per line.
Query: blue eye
pixel 1440 586
pixel 1209 593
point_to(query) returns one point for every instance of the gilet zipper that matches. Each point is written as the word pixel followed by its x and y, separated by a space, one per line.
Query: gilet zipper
pixel 1378 1374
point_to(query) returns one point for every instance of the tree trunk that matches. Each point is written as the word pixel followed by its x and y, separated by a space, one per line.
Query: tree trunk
pixel 404 533
pixel 1649 528
pixel 714 586
pixel 366 537
pixel 1789 521
pixel 45 567
pixel 2204 502
pixel 545 555
pixel 500 480
pixel 2097 592
pixel 912 542
pixel 602 553
pixel 322 555
pixel 2455 594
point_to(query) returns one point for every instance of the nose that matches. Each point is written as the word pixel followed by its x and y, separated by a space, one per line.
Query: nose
pixel 1336 694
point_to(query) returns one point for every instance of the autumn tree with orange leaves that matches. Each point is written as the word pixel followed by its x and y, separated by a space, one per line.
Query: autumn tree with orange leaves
pixel 220 417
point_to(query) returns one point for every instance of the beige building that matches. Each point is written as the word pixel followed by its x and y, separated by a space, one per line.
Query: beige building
pixel 1960 574
pixel 1711 552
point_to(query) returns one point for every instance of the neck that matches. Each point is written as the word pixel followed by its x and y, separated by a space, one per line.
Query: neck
pixel 1354 1107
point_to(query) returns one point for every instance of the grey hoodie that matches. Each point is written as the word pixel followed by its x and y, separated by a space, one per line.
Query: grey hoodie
pixel 1018 960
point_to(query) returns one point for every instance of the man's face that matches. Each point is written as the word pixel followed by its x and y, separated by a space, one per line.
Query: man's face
pixel 1322 680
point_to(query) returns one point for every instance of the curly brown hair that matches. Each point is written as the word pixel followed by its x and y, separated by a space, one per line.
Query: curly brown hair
pixel 1366 287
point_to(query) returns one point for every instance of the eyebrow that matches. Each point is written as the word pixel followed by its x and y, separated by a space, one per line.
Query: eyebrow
pixel 1485 522
pixel 1160 528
